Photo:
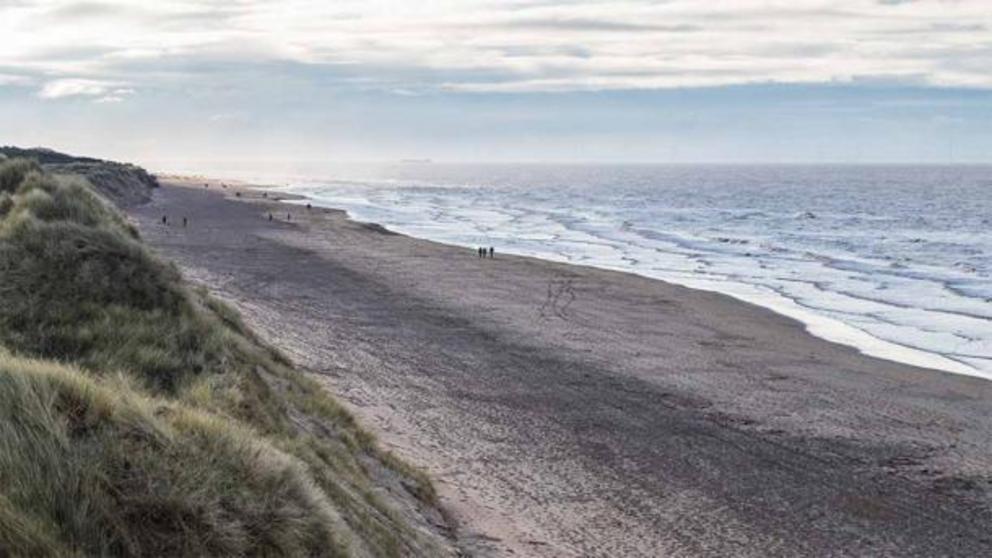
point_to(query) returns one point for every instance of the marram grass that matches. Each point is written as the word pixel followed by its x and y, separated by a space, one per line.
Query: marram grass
pixel 139 417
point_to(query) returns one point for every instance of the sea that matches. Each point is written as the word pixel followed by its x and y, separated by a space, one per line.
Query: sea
pixel 893 260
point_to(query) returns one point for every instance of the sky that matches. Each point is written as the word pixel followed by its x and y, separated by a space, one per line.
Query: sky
pixel 660 81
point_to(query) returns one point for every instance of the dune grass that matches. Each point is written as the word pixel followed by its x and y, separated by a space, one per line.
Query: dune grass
pixel 97 469
pixel 140 417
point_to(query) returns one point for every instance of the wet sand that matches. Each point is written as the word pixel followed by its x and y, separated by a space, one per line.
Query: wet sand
pixel 570 411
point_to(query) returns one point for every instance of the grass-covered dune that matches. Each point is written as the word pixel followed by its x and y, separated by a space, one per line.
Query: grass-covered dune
pixel 140 417
pixel 122 183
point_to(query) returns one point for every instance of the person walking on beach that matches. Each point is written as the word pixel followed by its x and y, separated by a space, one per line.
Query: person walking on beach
pixel 270 216
pixel 492 252
pixel 184 222
pixel 165 220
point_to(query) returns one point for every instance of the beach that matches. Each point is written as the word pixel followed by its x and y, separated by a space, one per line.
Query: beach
pixel 573 411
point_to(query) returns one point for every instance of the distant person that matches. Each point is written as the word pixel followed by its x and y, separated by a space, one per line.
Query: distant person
pixel 492 252
pixel 165 220
pixel 237 194
pixel 184 222
pixel 265 194
pixel 481 251
pixel 308 207
pixel 289 217
pixel 270 216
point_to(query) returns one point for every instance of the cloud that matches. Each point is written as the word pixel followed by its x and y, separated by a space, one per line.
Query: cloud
pixel 12 79
pixel 593 25
pixel 228 117
pixel 103 91
pixel 72 88
pixel 488 46
pixel 76 12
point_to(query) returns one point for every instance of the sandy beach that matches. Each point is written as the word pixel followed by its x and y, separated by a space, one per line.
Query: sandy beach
pixel 572 411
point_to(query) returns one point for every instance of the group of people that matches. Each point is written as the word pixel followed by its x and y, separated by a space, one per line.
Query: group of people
pixel 483 252
pixel 165 220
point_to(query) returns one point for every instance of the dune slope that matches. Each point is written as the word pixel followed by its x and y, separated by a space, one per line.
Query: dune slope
pixel 140 417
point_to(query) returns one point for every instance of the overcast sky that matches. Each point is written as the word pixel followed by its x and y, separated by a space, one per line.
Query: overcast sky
pixel 558 80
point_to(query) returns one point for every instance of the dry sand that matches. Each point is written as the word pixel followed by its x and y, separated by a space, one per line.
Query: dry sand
pixel 570 411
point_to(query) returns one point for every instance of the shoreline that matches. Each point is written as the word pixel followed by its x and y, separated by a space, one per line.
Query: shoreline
pixel 820 326
pixel 571 411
